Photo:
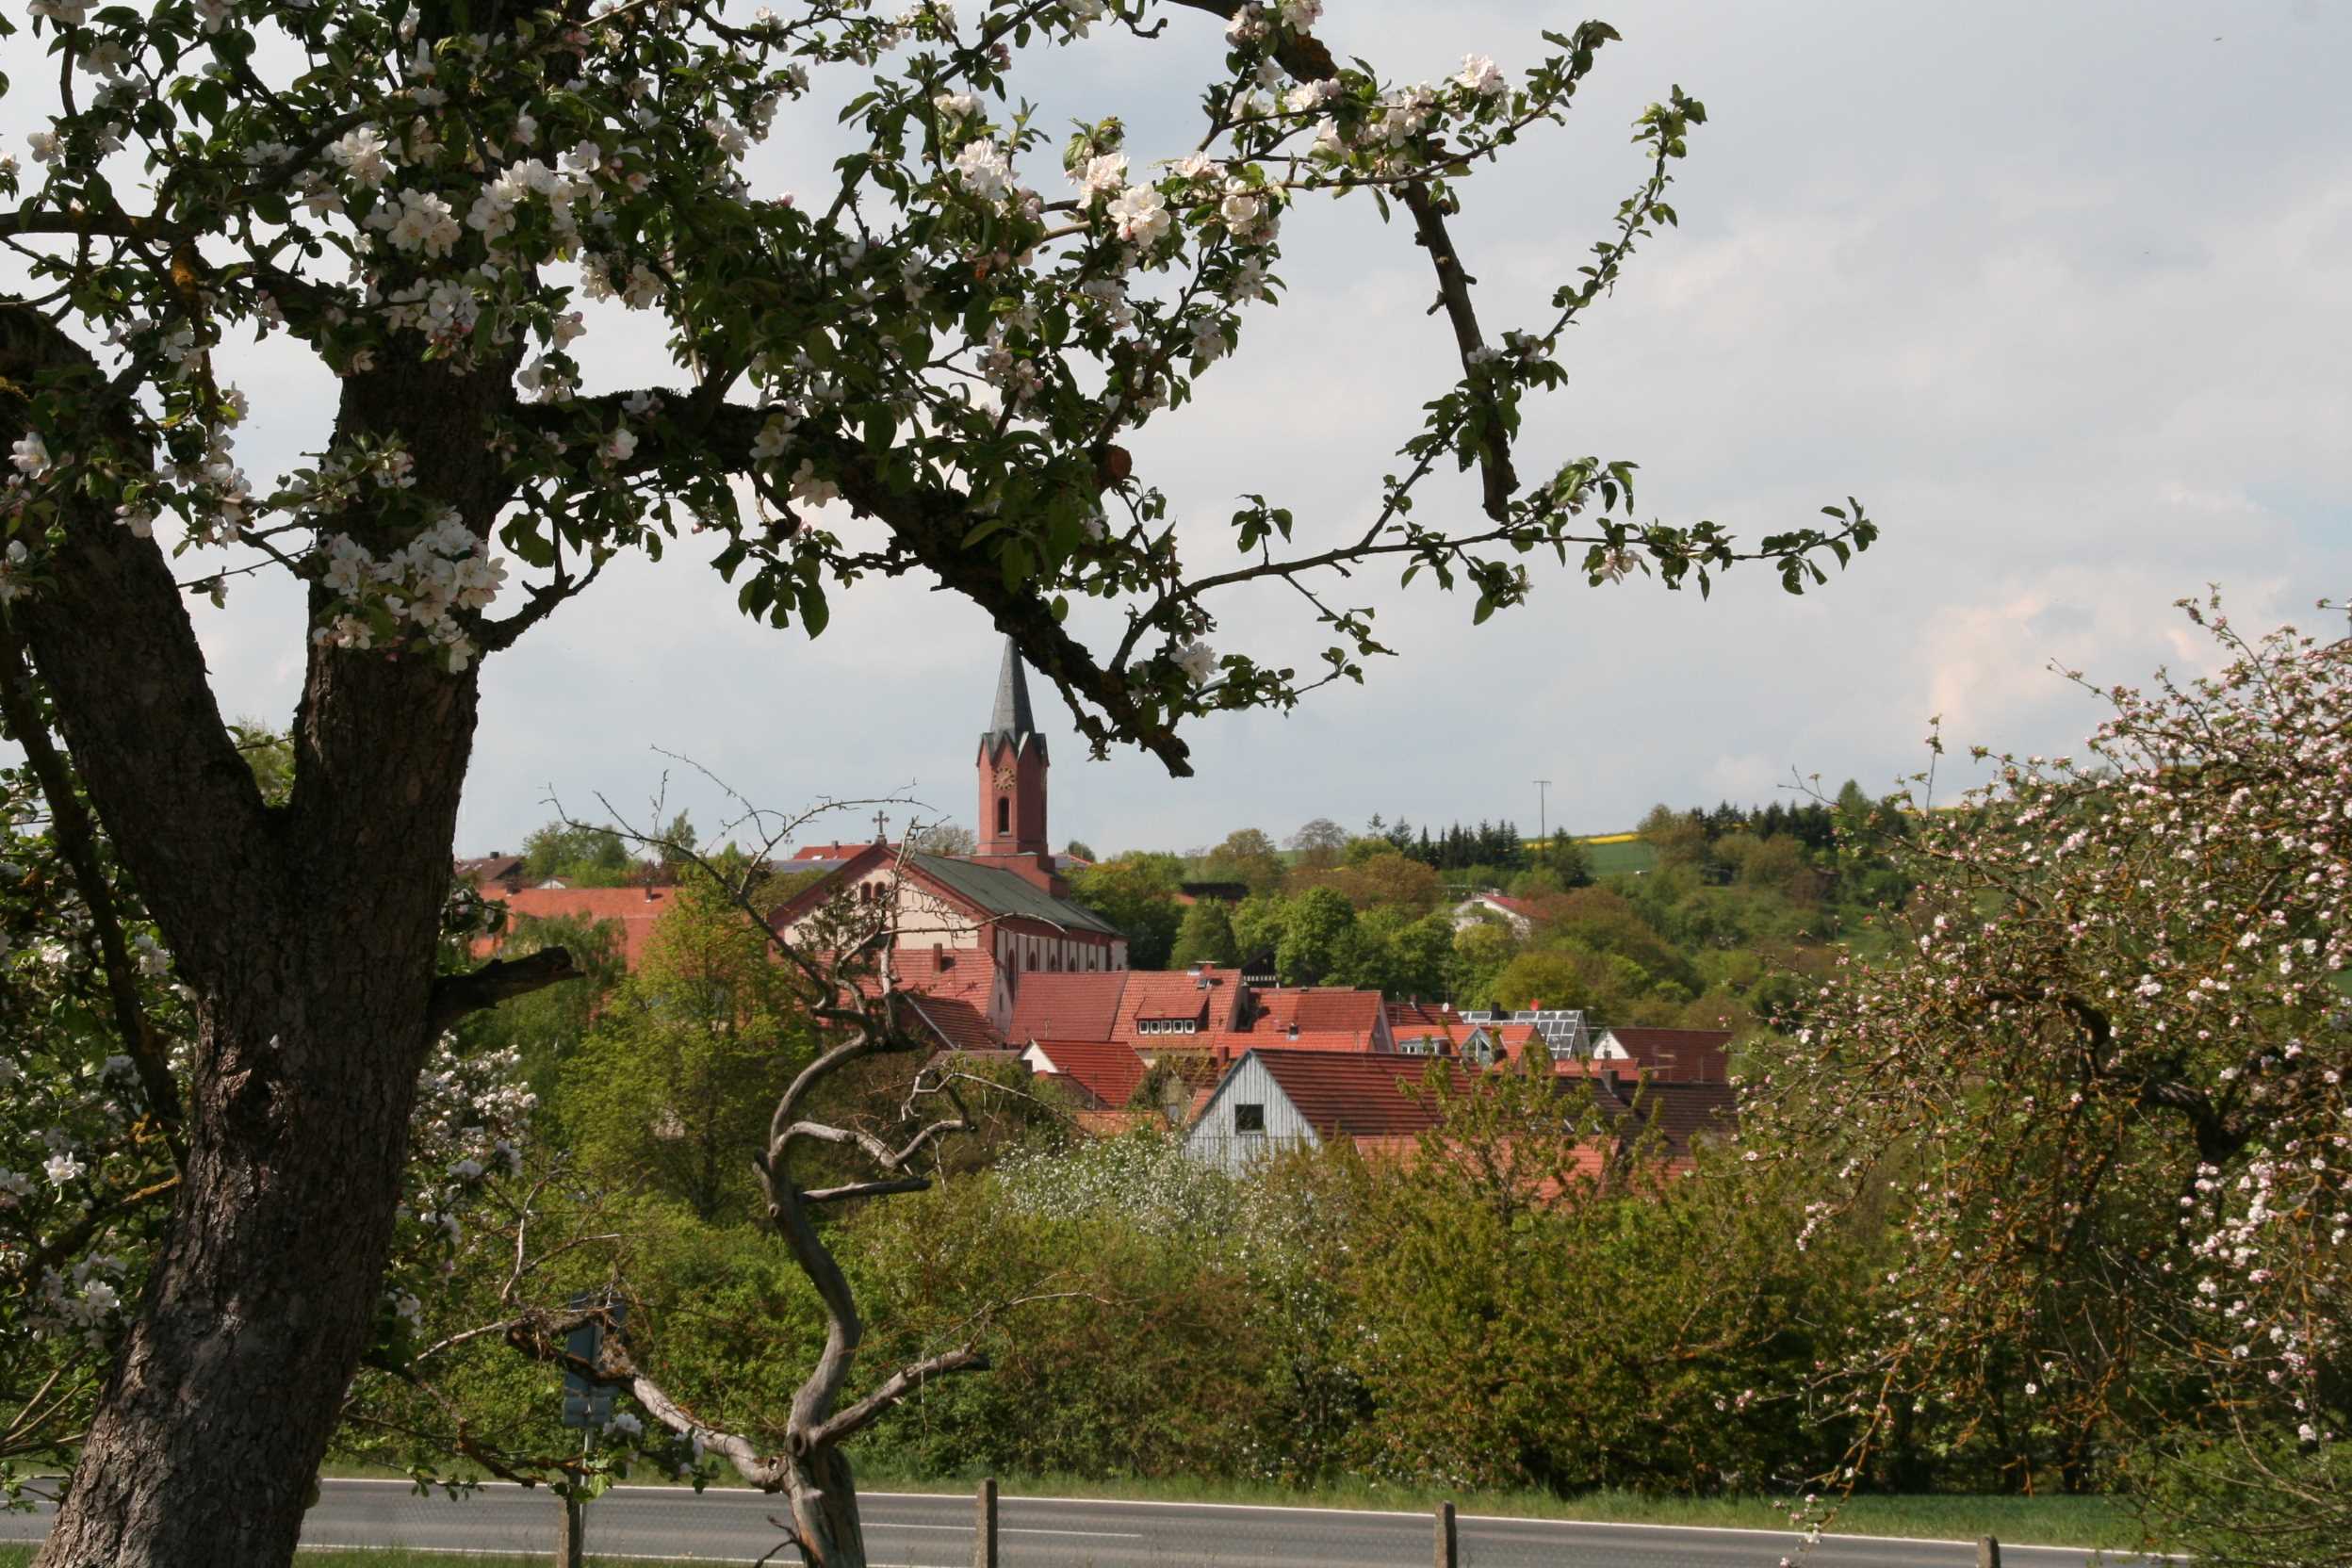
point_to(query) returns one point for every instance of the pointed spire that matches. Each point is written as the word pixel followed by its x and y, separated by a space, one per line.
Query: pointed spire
pixel 1012 721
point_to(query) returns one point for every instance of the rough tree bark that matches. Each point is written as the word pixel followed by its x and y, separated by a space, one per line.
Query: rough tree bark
pixel 308 935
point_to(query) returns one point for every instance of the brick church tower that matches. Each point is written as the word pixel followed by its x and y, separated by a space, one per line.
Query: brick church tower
pixel 1012 766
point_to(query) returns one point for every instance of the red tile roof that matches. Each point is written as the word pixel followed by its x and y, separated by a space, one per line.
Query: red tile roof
pixel 635 909
pixel 1681 1112
pixel 1236 1042
pixel 1319 1008
pixel 949 989
pixel 1072 1005
pixel 1682 1056
pixel 1354 1094
pixel 1162 995
pixel 958 1024
pixel 835 852
pixel 1419 1011
pixel 1105 1068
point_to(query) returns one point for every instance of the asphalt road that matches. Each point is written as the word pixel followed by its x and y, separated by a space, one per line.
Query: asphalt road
pixel 914 1531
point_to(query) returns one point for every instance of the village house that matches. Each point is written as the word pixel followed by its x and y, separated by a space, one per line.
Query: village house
pixel 1670 1056
pixel 1275 1100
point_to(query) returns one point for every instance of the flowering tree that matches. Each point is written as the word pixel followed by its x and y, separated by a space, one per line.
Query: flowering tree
pixel 2100 1098
pixel 442 203
pixel 94 1036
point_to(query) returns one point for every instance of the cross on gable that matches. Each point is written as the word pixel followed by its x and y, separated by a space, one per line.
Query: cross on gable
pixel 881 826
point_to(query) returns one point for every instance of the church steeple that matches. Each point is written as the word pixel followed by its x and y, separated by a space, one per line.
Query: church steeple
pixel 1011 721
pixel 1012 766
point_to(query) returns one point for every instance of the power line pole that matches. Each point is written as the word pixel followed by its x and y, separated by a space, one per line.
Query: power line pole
pixel 1543 826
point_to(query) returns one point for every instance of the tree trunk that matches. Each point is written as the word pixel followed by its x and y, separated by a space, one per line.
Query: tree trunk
pixel 824 1506
pixel 225 1396
pixel 308 933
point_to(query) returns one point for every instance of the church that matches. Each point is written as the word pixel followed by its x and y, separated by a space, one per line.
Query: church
pixel 967 927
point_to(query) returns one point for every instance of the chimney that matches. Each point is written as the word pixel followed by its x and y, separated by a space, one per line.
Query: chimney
pixel 1292 1032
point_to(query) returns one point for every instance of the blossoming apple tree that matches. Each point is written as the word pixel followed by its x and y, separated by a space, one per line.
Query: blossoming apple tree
pixel 443 202
pixel 2100 1101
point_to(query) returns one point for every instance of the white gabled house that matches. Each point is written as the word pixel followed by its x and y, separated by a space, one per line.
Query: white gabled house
pixel 1274 1100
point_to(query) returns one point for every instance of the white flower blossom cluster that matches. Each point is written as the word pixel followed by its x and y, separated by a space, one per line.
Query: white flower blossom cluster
pixel 444 569
pixel 2118 993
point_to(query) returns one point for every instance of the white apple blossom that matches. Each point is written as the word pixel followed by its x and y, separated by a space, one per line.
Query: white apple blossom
pixel 30 455
pixel 62 1168
pixel 809 490
pixel 1481 76
pixel 1100 176
pixel 1140 215
pixel 985 168
pixel 361 153
pixel 416 220
pixel 1196 659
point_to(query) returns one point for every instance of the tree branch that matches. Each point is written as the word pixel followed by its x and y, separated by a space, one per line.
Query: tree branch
pixel 1453 292
pixel 905 1380
pixel 500 980
pixel 78 842
pixel 111 637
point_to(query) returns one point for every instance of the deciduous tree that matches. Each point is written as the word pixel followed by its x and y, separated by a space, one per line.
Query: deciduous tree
pixel 446 207
pixel 2099 1094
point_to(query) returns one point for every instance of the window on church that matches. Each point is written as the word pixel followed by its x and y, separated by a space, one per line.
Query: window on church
pixel 1004 814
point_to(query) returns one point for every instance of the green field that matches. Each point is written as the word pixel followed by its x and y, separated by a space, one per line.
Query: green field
pixel 1618 855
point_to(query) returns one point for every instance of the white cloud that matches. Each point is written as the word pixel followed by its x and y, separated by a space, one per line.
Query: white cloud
pixel 2071 326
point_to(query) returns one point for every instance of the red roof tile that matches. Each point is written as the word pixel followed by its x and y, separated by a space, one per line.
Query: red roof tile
pixel 1162 995
pixel 1681 1055
pixel 1354 1094
pixel 1417 1011
pixel 1072 1005
pixel 958 1022
pixel 1106 1069
pixel 635 909
pixel 1320 1009
pixel 1236 1042
pixel 835 852
pixel 1681 1112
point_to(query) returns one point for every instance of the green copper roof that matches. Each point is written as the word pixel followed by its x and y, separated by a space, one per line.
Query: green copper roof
pixel 1004 892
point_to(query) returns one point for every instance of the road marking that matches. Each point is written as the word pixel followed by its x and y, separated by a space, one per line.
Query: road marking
pixel 1007 1529
pixel 2120 1553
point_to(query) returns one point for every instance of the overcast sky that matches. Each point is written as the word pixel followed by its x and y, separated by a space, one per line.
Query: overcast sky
pixel 2062 291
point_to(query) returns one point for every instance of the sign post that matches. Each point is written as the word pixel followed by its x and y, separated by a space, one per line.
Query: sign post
pixel 587 1404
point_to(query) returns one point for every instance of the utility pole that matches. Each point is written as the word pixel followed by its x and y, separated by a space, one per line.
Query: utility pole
pixel 1543 826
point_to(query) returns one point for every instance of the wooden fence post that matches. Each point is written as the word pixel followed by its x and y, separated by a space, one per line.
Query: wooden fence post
pixel 1988 1552
pixel 1448 1551
pixel 984 1526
